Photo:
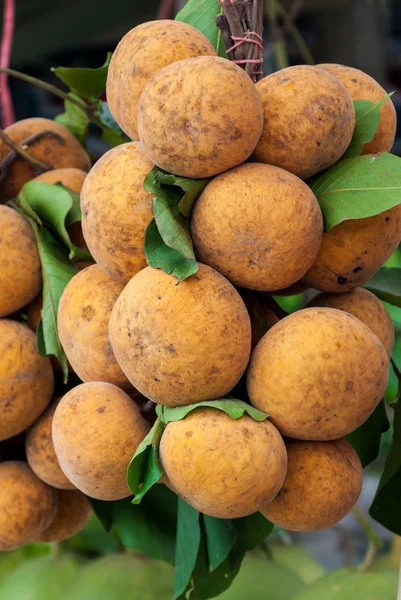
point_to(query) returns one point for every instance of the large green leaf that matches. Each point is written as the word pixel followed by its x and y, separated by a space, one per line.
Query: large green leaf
pixel 220 538
pixel 57 207
pixel 202 15
pixel 88 83
pixel 251 531
pixel 145 467
pixel 234 408
pixel 187 546
pixel 160 256
pixel 366 440
pixel 367 118
pixel 386 504
pixel 356 188
pixel 386 285
pixel 75 119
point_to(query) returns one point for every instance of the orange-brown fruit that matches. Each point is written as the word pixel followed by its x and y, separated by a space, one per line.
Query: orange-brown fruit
pixel 262 317
pixel 224 467
pixel 40 452
pixel 34 312
pixel 20 271
pixel 142 51
pixel 180 344
pixel 82 323
pixel 27 505
pixel 72 514
pixel 365 306
pixel 66 152
pixel 362 86
pixel 309 120
pixel 319 373
pixel 199 117
pixel 354 250
pixel 258 225
pixel 116 210
pixel 323 482
pixel 96 431
pixel 26 379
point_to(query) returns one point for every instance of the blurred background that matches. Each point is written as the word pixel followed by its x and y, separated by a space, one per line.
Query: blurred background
pixel 362 33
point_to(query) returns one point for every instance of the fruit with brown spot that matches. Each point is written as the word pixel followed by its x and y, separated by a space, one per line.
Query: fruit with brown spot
pixel 223 467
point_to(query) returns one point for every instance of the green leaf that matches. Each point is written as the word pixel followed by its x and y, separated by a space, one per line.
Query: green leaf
pixel 251 531
pixel 220 538
pixel 202 15
pixel 366 440
pixel 192 189
pixel 160 256
pixel 367 118
pixel 57 271
pixel 111 131
pixel 75 119
pixel 56 206
pixel 385 507
pixel 386 285
pixel 145 467
pixel 234 408
pixel 356 188
pixel 87 83
pixel 187 546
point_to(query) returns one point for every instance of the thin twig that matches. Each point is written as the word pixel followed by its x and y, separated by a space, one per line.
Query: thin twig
pixel 375 543
pixel 235 26
pixel 39 166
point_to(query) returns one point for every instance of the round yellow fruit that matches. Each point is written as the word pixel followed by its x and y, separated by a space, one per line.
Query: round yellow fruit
pixel 40 452
pixel 362 86
pixel 199 117
pixel 323 482
pixel 354 250
pixel 69 177
pixel 96 431
pixel 72 514
pixel 26 379
pixel 180 344
pixel 223 467
pixel 61 152
pixel 116 210
pixel 20 272
pixel 365 306
pixel 318 374
pixel 142 51
pixel 259 226
pixel 309 120
pixel 82 323
pixel 27 505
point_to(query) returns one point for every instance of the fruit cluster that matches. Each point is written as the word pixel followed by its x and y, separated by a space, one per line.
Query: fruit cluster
pixel 132 334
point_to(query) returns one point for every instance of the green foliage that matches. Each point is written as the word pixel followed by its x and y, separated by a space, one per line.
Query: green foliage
pixel 168 245
pixel 187 546
pixel 145 465
pixel 75 119
pixel 366 440
pixel 202 15
pixel 351 584
pixel 85 82
pixel 298 560
pixel 359 187
pixel 111 131
pixel 386 284
pixel 232 407
pixel 367 118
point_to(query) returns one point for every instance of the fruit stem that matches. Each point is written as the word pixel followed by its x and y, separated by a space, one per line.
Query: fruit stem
pixel 375 542
pixel 20 150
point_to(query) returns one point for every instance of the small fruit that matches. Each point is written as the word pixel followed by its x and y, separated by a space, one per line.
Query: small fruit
pixel 26 379
pixel 69 177
pixel 363 87
pixel 59 152
pixel 365 306
pixel 258 225
pixel 323 482
pixel 180 344
pixel 20 272
pixel 40 452
pixel 142 52
pixel 82 322
pixel 319 374
pixel 96 431
pixel 72 514
pixel 199 117
pixel 309 120
pixel 223 467
pixel 116 210
pixel 27 505
pixel 354 250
